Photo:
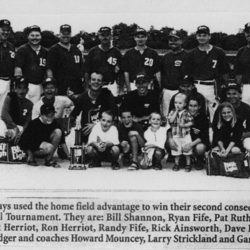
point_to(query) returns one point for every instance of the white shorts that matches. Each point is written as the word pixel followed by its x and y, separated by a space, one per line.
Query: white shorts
pixel 245 93
pixel 181 142
pixel 167 94
pixel 35 92
pixel 4 89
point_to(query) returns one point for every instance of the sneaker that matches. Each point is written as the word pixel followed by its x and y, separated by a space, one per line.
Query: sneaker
pixel 176 168
pixel 115 166
pixel 188 168
pixel 95 164
pixel 158 167
pixel 61 154
pixel 134 166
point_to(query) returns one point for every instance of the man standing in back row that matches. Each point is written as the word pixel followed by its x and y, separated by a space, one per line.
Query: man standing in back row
pixel 65 63
pixel 209 67
pixel 105 59
pixel 141 58
pixel 7 57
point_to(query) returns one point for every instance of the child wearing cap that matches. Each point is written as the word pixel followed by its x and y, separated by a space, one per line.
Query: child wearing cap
pixel 42 137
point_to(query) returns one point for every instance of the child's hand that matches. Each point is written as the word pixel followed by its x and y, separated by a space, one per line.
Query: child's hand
pixel 187 147
pixel 102 146
pixel 223 153
pixel 173 145
pixel 181 124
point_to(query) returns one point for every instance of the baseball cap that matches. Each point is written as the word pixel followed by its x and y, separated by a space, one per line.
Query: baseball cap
pixel 247 27
pixel 142 77
pixel 49 81
pixel 5 22
pixel 140 31
pixel 34 28
pixel 233 85
pixel 103 30
pixel 65 27
pixel 187 80
pixel 20 81
pixel 47 109
pixel 203 29
pixel 175 33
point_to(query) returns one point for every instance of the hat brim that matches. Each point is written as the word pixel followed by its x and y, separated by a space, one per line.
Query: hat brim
pixel 175 36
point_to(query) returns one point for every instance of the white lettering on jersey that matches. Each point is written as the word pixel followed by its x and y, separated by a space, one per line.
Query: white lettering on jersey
pixel 112 61
pixel 149 62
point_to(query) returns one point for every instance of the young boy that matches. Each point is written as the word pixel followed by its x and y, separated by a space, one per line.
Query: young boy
pixel 156 137
pixel 42 137
pixel 131 138
pixel 180 121
pixel 103 142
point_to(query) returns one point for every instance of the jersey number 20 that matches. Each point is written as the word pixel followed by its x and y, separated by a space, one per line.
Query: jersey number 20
pixel 148 62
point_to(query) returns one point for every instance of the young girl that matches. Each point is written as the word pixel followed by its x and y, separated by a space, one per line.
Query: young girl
pixel 156 137
pixel 199 132
pixel 228 132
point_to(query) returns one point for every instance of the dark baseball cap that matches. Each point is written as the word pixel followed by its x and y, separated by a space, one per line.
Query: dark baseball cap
pixel 5 22
pixel 103 30
pixel 34 28
pixel 47 109
pixel 247 27
pixel 140 31
pixel 65 27
pixel 49 81
pixel 142 77
pixel 20 81
pixel 187 80
pixel 203 29
pixel 175 33
pixel 233 85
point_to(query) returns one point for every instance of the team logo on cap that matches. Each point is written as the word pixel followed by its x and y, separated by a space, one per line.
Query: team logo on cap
pixel 6 22
pixel 202 28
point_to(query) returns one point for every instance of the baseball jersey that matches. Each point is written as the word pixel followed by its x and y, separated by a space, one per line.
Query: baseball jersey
pixel 172 68
pixel 134 62
pixel 209 65
pixel 67 68
pixel 33 65
pixel 99 60
pixel 242 64
pixel 7 60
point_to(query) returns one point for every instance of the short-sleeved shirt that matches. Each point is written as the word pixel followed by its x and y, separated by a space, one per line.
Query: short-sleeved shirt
pixel 203 65
pixel 67 68
pixel 61 102
pixel 123 131
pixel 33 65
pixel 183 116
pixel 7 60
pixel 242 64
pixel 142 105
pixel 173 69
pixel 103 61
pixel 134 62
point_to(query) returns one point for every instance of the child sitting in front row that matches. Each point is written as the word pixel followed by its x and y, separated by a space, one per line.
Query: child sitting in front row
pixel 103 142
pixel 156 137
pixel 228 132
pixel 180 121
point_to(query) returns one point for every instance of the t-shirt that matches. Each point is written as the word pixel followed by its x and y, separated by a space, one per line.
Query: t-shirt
pixel 36 133
pixel 157 138
pixel 134 62
pixel 7 60
pixel 67 68
pixel 210 65
pixel 98 135
pixel 172 69
pixel 33 65
pixel 103 61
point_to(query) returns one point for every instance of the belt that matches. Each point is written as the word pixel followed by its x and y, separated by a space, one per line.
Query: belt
pixel 208 82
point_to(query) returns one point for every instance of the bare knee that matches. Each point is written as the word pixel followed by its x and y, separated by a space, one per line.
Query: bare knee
pixel 246 144
pixel 235 150
pixel 115 150
pixel 200 149
pixel 133 139
pixel 57 133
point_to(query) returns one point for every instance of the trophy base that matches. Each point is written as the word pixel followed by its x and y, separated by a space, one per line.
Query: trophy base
pixel 77 168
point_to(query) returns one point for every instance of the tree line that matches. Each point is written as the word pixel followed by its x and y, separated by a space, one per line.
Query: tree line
pixel 123 38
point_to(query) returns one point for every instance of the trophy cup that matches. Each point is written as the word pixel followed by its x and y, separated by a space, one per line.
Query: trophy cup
pixel 77 153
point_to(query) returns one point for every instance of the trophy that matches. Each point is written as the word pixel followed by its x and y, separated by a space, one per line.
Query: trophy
pixel 77 153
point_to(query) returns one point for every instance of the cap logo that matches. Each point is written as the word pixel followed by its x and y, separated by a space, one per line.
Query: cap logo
pixel 138 76
pixel 6 22
pixel 202 28
pixel 65 26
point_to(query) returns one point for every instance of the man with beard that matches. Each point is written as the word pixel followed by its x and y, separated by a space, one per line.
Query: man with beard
pixel 242 67
pixel 209 67
pixel 105 59
pixel 7 57
pixel 92 103
pixel 31 63
pixel 173 64
pixel 141 58
pixel 142 101
pixel 65 63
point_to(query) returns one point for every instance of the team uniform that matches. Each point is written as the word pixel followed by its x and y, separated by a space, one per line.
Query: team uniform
pixel 207 68
pixel 7 63
pixel 242 67
pixel 134 62
pixel 33 67
pixel 172 73
pixel 104 61
pixel 67 68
